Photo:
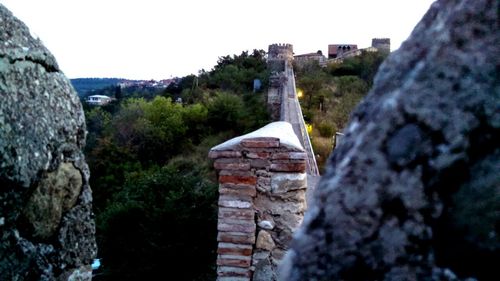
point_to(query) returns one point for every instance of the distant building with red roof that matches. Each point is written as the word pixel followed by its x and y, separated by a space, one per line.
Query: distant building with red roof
pixel 338 50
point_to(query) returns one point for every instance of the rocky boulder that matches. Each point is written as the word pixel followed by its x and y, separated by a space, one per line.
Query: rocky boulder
pixel 413 190
pixel 46 224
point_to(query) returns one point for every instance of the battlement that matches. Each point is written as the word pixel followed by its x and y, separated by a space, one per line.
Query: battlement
pixel 281 46
pixel 382 43
pixel 280 52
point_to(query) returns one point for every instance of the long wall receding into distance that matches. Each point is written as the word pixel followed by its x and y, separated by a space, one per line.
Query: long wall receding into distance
pixel 265 178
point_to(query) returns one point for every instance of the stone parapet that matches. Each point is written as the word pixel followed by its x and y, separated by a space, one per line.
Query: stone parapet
pixel 262 186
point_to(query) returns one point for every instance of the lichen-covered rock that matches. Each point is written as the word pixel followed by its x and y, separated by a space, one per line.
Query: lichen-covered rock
pixel 413 190
pixel 46 226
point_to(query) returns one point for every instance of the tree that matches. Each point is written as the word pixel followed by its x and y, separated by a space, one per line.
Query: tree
pixel 153 130
pixel 97 121
pixel 225 111
pixel 311 84
pixel 162 222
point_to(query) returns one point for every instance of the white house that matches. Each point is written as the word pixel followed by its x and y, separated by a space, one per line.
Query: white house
pixel 98 99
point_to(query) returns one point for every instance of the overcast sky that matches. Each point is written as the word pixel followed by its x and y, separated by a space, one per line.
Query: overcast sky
pixel 148 39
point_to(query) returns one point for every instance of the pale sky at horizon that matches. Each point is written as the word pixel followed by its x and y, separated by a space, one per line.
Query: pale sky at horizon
pixel 150 39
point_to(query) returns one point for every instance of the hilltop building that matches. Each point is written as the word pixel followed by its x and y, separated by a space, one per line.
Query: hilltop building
pixel 98 100
pixel 306 58
pixel 382 44
pixel 339 50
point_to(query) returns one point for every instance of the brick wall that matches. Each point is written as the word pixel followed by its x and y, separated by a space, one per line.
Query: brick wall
pixel 262 185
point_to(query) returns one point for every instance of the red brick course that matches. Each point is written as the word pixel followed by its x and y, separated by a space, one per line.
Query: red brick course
pixel 234 249
pixel 236 237
pixel 233 262
pixel 235 179
pixel 288 167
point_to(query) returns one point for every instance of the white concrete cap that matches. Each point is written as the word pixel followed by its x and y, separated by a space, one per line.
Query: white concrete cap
pixel 281 130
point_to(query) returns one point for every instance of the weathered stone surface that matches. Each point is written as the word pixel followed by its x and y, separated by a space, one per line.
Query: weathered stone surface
pixel 261 142
pixel 279 207
pixel 264 184
pixel 284 182
pixel 240 202
pixel 259 255
pixel 266 224
pixel 230 271
pixel 55 194
pixel 231 164
pixel 413 187
pixel 47 227
pixel 238 189
pixel 277 255
pixel 214 154
pixel 259 163
pixel 289 221
pixel 236 214
pixel 290 155
pixel 263 173
pixel 258 155
pixel 265 241
pixel 264 271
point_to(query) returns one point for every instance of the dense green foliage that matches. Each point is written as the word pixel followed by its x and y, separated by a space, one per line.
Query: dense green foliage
pixel 153 185
pixel 331 93
pixel 159 223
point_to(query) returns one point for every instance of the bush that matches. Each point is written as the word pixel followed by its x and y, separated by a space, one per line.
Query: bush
pixel 225 112
pixel 322 148
pixel 163 221
pixel 326 130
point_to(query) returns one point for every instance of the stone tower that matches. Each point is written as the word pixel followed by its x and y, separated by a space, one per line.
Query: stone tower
pixel 278 56
pixel 280 52
pixel 383 44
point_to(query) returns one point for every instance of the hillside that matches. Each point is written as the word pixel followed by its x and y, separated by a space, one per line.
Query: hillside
pixel 86 86
pixel 153 186
pixel 331 93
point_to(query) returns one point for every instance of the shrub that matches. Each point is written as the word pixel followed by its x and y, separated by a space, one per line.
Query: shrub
pixel 162 221
pixel 326 130
pixel 322 148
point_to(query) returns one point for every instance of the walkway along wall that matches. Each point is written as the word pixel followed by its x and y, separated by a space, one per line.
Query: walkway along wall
pixel 262 187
